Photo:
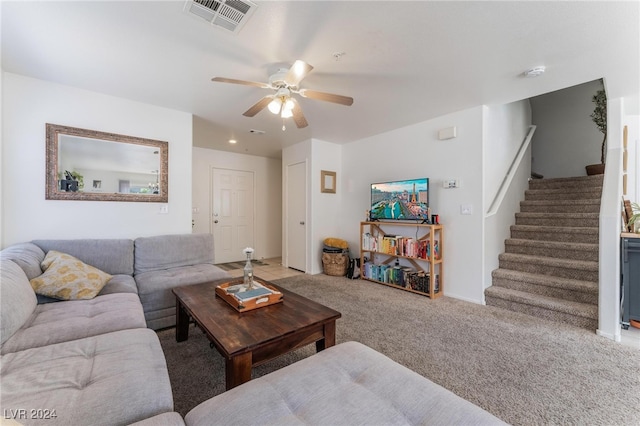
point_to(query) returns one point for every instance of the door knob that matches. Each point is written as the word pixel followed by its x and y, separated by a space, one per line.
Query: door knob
pixel 215 221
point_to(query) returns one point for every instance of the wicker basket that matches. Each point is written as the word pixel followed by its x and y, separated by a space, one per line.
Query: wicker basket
pixel 335 264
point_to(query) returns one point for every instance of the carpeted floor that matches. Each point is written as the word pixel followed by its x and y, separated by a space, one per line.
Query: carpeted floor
pixel 238 265
pixel 524 370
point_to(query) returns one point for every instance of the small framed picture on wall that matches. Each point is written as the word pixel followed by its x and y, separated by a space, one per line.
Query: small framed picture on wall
pixel 328 182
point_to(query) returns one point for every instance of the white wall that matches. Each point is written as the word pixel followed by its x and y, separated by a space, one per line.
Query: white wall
pixel 414 152
pixel 633 162
pixel 566 139
pixel 27 104
pixel 326 208
pixel 1 149
pixel 505 128
pixel 268 195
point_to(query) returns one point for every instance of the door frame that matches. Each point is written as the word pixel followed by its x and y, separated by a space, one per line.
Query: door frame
pixel 285 230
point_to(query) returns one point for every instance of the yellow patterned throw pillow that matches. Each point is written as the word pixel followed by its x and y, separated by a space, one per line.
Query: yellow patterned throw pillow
pixel 68 278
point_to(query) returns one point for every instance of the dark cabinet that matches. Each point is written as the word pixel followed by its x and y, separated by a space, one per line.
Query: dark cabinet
pixel 630 266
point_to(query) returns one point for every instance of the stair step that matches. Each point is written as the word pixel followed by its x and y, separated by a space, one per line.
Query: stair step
pixel 564 268
pixel 582 315
pixel 545 285
pixel 589 205
pixel 563 194
pixel 567 182
pixel 557 249
pixel 558 219
pixel 555 233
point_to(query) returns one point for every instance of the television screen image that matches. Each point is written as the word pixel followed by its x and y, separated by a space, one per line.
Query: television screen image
pixel 400 200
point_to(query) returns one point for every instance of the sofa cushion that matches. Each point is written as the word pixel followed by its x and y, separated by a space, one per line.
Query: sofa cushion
pixel 171 251
pixel 120 284
pixel 155 290
pixel 18 301
pixel 164 419
pixel 342 385
pixel 163 318
pixel 27 255
pixel 113 256
pixel 112 379
pixel 68 278
pixel 155 287
pixel 76 319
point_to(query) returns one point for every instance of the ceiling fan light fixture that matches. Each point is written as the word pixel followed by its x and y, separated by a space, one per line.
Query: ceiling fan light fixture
pixel 286 82
pixel 286 113
pixel 275 106
pixel 287 108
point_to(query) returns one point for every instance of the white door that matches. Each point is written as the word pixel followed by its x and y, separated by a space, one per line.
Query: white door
pixel 232 213
pixel 296 200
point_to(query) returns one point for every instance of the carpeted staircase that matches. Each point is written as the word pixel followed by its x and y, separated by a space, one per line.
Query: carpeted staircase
pixel 550 265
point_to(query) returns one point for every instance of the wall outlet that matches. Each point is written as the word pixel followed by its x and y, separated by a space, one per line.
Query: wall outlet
pixel 451 183
pixel 466 209
pixel 164 209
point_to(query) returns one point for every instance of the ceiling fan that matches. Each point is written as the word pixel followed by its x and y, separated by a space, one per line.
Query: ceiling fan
pixel 285 83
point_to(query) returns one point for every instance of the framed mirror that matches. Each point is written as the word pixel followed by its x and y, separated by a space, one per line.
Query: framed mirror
pixel 88 165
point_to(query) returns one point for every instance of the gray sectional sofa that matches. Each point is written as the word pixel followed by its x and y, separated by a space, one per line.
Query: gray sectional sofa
pixel 77 362
pixel 148 267
pixel 96 362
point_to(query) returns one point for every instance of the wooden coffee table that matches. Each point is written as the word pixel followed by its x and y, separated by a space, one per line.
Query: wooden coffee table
pixel 248 339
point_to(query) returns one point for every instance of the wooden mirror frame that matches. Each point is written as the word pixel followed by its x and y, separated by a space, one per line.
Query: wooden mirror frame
pixel 53 192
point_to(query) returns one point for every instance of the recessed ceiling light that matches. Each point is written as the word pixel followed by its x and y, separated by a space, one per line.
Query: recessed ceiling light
pixel 232 141
pixel 535 72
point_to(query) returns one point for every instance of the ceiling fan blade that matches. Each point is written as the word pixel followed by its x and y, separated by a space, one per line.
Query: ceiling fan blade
pixel 258 106
pixel 243 82
pixel 298 116
pixel 328 97
pixel 297 72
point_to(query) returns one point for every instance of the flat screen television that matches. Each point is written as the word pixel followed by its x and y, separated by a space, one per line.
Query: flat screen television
pixel 400 200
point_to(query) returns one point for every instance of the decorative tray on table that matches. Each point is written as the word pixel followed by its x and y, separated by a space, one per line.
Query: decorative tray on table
pixel 243 299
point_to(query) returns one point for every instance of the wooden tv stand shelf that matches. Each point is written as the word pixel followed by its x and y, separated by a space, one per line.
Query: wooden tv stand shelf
pixel 410 260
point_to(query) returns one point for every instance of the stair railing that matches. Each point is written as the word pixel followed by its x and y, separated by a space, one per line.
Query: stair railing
pixel 508 178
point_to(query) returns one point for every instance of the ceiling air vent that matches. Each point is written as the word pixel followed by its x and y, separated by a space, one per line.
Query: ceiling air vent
pixel 228 14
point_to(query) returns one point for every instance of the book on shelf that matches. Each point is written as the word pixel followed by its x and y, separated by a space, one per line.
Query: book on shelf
pixel 397 245
pixel 401 276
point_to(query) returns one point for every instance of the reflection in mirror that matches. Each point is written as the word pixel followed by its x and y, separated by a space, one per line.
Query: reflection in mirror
pixel 90 165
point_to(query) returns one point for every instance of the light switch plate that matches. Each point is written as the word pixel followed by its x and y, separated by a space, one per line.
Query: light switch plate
pixel 451 183
pixel 466 209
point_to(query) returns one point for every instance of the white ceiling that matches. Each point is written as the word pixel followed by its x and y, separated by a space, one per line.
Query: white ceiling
pixel 404 62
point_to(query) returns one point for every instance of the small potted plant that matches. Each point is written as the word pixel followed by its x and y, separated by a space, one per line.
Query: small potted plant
pixel 599 116
pixel 634 220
